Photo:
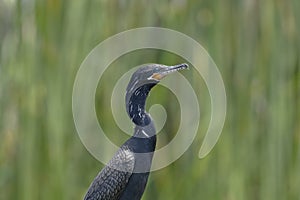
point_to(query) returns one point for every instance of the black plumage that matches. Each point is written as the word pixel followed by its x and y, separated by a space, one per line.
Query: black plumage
pixel 125 176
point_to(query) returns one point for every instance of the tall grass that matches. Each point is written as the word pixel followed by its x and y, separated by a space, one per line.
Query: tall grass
pixel 255 45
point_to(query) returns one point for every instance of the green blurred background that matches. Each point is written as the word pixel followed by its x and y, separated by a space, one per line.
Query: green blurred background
pixel 255 44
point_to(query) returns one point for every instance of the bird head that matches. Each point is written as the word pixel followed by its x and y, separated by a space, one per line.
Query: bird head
pixel 140 84
pixel 151 74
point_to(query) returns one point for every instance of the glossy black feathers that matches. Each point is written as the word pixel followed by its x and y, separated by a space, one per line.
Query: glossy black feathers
pixel 113 178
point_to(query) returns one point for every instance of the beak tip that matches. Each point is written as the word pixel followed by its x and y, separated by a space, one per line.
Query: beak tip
pixel 182 66
pixel 185 66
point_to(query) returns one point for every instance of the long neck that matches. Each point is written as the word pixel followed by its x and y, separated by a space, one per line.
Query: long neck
pixel 136 105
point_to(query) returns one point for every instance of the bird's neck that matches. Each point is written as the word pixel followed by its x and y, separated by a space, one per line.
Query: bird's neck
pixel 136 105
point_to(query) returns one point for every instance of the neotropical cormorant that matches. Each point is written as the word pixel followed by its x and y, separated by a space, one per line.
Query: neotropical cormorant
pixel 125 176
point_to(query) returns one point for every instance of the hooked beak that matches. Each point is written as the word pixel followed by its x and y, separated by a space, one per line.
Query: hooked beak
pixel 167 70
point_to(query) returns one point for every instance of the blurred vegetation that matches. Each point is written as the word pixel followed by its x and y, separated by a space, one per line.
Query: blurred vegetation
pixel 255 45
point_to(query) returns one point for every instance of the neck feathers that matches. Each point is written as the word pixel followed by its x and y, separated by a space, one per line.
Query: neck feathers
pixel 136 105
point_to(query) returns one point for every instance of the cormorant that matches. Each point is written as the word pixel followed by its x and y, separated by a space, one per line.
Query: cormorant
pixel 120 178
